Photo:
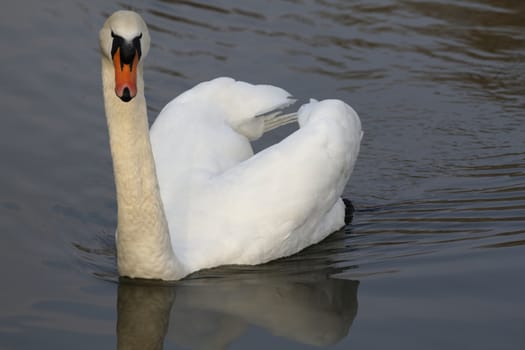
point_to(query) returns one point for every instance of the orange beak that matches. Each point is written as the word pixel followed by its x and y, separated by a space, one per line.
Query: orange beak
pixel 125 77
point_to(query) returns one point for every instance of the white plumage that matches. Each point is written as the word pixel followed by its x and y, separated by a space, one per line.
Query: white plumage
pixel 222 204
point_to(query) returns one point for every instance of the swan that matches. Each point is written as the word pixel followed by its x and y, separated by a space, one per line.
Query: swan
pixel 191 194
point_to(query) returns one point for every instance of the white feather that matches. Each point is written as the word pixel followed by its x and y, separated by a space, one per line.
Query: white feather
pixel 227 206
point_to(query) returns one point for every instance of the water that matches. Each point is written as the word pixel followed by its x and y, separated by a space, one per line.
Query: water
pixel 435 257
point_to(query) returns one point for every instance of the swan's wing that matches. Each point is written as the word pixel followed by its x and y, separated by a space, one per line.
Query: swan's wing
pixel 277 119
pixel 287 196
pixel 227 206
pixel 249 109
pixel 206 130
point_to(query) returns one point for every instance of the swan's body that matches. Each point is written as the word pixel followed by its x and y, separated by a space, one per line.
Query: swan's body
pixel 191 194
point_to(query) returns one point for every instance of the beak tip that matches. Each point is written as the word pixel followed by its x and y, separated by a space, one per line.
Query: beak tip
pixel 126 95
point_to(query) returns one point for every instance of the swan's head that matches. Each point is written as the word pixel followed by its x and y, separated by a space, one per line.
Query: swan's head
pixel 124 41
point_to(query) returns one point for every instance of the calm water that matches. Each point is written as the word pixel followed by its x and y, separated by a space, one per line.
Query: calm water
pixel 435 257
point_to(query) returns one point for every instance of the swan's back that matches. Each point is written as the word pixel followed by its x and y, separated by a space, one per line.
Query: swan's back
pixel 225 205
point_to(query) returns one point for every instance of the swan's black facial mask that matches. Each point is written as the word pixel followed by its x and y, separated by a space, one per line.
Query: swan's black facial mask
pixel 125 55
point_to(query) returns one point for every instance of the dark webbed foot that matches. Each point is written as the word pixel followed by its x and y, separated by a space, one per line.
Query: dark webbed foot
pixel 349 210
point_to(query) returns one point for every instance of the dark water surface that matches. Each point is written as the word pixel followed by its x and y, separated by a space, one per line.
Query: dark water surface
pixel 435 257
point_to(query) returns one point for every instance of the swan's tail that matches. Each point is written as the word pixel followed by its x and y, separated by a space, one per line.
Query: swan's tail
pixel 336 110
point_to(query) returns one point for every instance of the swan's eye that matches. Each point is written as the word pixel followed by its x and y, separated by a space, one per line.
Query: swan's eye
pixel 136 44
pixel 117 42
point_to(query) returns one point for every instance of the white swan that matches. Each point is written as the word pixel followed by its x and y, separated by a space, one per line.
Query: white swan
pixel 191 194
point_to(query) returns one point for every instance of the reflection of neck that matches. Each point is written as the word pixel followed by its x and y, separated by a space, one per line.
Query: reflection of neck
pixel 143 241
pixel 143 316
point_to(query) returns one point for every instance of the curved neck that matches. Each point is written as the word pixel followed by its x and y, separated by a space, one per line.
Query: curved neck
pixel 143 242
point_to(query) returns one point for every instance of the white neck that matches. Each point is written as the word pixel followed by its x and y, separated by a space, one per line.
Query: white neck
pixel 143 242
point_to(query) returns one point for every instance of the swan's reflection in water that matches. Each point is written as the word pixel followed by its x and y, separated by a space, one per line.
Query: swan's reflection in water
pixel 210 313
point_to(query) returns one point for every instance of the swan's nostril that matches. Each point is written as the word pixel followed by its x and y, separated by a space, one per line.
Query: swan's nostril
pixel 126 95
